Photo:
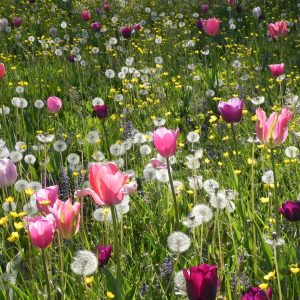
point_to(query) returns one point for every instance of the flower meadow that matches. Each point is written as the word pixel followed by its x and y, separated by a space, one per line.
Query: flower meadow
pixel 150 149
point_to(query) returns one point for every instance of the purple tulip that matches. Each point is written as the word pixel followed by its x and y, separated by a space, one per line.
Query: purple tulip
pixel 71 58
pixel 101 111
pixel 97 10
pixel 8 173
pixel 232 110
pixel 255 293
pixel 204 8
pixel 199 24
pixel 96 26
pixel 291 210
pixel 201 282
pixel 126 32
pixel 17 22
pixel 103 254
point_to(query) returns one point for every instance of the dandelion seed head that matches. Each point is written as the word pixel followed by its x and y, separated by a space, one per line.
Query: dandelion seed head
pixel 84 263
pixel 178 242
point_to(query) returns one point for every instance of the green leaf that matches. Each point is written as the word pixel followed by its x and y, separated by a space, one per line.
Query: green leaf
pixel 112 285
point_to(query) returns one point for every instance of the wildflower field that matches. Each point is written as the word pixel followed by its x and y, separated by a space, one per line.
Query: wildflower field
pixel 149 149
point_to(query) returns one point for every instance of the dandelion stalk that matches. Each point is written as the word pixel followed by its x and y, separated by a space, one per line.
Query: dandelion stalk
pixel 117 247
pixel 275 192
pixel 277 272
pixel 173 193
pixel 44 259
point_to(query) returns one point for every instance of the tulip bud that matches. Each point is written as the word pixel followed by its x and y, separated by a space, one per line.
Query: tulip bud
pixel 8 173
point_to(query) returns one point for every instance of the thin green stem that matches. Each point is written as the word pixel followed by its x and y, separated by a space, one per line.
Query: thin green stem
pixel 44 259
pixel 276 203
pixel 254 250
pixel 117 247
pixel 105 138
pixel 277 272
pixel 173 193
pixel 61 254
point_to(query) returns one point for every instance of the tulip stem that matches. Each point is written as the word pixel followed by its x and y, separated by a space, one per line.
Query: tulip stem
pixel 253 214
pixel 44 259
pixel 277 272
pixel 275 192
pixel 116 247
pixel 173 193
pixel 105 138
pixel 61 254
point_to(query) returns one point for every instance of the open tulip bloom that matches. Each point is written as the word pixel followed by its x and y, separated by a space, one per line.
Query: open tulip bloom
pixel 272 132
pixel 108 185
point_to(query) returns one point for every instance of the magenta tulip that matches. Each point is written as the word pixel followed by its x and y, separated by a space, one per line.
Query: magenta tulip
pixel 41 230
pixel 103 254
pixel 201 282
pixel 278 29
pixel 2 70
pixel 232 110
pixel 126 31
pixel 96 26
pixel 165 141
pixel 106 6
pixel 277 69
pixel 45 198
pixel 101 111
pixel 291 210
pixel 255 293
pixel 54 104
pixel 108 184
pixel 8 173
pixel 67 217
pixel 274 131
pixel 211 26
pixel 86 15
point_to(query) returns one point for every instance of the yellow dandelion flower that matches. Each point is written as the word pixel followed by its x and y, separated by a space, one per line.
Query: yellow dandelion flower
pixel 110 295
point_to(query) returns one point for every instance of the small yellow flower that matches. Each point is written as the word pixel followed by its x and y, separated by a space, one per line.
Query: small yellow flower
pixel 264 286
pixel 75 174
pixel 29 191
pixel 251 161
pixel 4 221
pixel 190 192
pixel 294 269
pixel 264 199
pixel 89 280
pixel 19 225
pixel 14 236
pixel 110 295
pixel 237 172
pixel 270 275
pixel 9 199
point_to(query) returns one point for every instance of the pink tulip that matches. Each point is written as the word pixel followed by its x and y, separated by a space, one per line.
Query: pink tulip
pixel 86 15
pixel 108 184
pixel 278 29
pixel 54 104
pixel 17 22
pixel 45 198
pixel 8 173
pixel 277 69
pixel 67 217
pixel 274 131
pixel 230 2
pixel 211 26
pixel 165 141
pixel 2 71
pixel 41 230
